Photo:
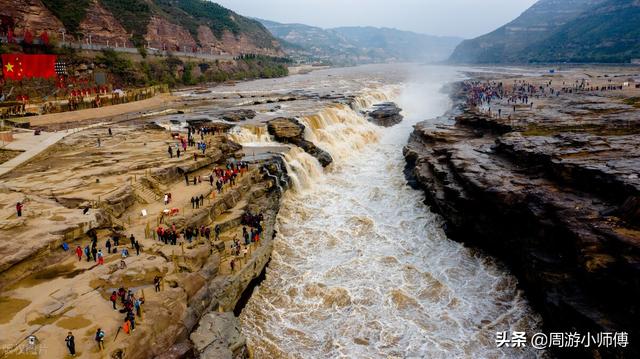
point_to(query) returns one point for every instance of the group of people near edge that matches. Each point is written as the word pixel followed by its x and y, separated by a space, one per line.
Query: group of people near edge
pixel 522 92
pixel 130 304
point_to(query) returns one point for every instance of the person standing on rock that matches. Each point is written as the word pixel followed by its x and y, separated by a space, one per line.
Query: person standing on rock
pixel 108 245
pixel 202 200
pixel 137 246
pixel 245 235
pixel 79 253
pixel 100 338
pixel 113 298
pixel 217 231
pixel 19 209
pixel 132 239
pixel 156 283
pixel 170 150
pixel 71 344
pixel 178 153
pixel 186 178
pixel 193 203
pixel 110 133
pixel 132 320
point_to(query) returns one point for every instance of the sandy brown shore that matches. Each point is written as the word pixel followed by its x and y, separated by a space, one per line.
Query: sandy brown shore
pixel 47 291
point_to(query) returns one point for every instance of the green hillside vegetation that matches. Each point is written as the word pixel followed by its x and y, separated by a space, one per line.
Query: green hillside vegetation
pixel 610 33
pixel 579 31
pixel 134 15
pixel 175 72
pixel 70 13
pixel 193 13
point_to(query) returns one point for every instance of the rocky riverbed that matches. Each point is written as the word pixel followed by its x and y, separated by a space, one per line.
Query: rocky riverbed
pixel 109 181
pixel 551 189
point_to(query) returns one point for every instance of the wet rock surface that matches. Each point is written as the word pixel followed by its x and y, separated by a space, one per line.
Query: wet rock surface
pixel 289 130
pixel 385 114
pixel 238 115
pixel 557 203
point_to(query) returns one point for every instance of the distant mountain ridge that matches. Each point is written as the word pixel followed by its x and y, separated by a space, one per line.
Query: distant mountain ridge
pixel 355 45
pixel 561 31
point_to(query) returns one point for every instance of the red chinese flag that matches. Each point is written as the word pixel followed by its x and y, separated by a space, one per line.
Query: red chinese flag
pixel 19 66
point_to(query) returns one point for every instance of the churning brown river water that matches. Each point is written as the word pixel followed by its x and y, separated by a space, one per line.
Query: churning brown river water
pixel 361 267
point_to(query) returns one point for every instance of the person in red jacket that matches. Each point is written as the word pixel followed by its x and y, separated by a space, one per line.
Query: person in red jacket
pixel 19 209
pixel 79 253
pixel 113 298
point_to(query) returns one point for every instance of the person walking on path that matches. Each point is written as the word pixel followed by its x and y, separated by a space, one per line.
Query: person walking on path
pixel 100 338
pixel 170 150
pixel 100 257
pixel 108 245
pixel 79 253
pixel 202 200
pixel 87 253
pixel 186 178
pixel 156 283
pixel 19 209
pixel 132 239
pixel 137 246
pixel 71 344
pixel 94 253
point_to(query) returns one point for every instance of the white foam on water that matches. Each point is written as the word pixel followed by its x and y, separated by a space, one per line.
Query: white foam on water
pixel 361 267
pixel 255 136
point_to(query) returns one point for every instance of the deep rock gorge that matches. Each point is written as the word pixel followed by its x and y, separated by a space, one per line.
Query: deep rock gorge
pixel 559 208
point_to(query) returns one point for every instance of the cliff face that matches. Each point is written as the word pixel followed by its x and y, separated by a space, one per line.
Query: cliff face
pixel 158 23
pixel 102 25
pixel 32 15
pixel 560 208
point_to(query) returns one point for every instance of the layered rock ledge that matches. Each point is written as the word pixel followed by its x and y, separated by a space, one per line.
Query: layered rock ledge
pixel 557 202
pixel 289 130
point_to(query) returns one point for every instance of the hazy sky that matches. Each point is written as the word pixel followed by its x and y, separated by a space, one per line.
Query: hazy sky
pixel 465 18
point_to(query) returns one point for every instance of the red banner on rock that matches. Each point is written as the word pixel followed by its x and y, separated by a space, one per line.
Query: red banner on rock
pixel 20 66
